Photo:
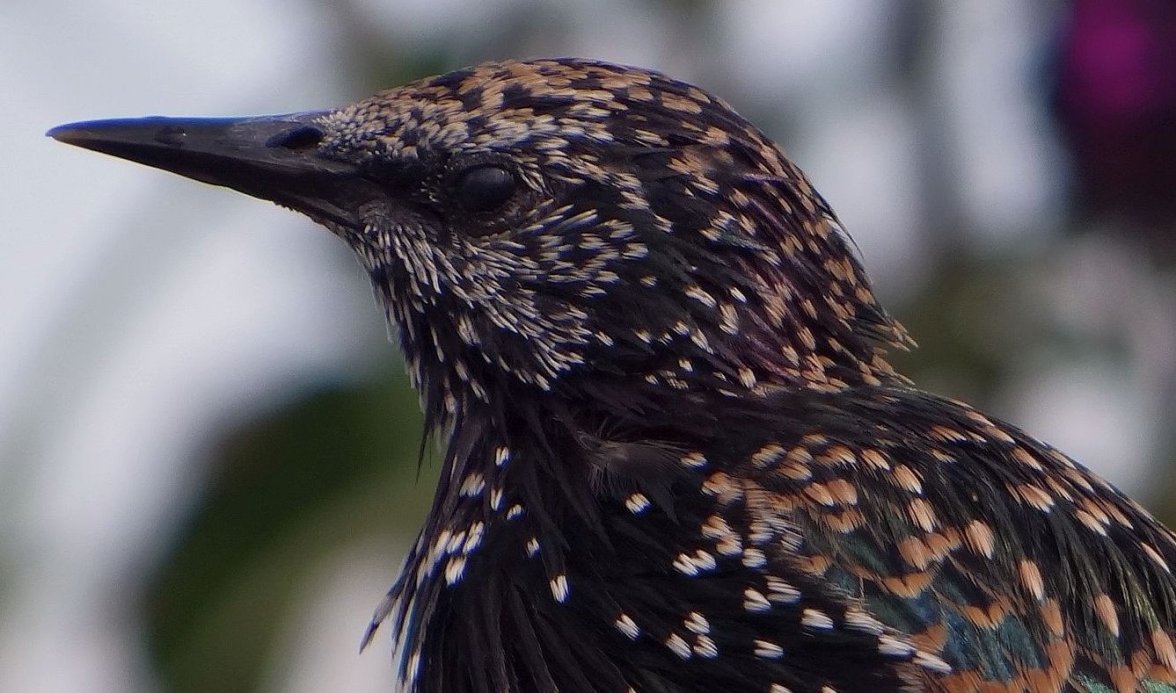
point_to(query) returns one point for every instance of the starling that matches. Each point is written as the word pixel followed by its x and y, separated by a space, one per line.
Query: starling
pixel 677 458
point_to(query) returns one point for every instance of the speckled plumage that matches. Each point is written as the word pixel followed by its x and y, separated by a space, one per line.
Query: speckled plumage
pixel 677 459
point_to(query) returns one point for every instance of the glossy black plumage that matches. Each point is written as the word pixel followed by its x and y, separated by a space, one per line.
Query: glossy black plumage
pixel 677 457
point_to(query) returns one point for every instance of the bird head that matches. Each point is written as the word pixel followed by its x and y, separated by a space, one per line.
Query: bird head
pixel 558 225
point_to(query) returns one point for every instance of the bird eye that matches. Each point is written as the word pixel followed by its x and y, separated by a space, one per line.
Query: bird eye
pixel 484 188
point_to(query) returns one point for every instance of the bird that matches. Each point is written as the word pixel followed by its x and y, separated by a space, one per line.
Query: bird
pixel 676 455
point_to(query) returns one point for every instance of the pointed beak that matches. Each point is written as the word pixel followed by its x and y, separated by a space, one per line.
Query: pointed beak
pixel 275 158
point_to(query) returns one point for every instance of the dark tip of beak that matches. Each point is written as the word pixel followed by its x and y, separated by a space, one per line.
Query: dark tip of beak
pixel 271 157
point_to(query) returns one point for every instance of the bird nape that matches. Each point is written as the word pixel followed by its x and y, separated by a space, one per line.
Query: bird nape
pixel 676 456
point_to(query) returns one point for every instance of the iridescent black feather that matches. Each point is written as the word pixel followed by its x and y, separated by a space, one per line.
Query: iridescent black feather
pixel 676 457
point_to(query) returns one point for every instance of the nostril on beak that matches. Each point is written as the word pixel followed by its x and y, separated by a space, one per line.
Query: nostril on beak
pixel 302 137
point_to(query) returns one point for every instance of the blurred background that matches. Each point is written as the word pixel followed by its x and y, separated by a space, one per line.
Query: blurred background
pixel 207 446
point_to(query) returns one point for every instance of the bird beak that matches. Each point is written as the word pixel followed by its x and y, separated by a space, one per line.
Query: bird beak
pixel 275 158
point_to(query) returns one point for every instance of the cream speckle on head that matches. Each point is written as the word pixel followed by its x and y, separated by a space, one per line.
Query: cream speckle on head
pixel 626 625
pixel 559 588
pixel 755 601
pixel 768 650
pixel 679 646
pixel 816 619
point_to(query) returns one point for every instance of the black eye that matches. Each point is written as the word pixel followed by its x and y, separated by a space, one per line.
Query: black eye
pixel 484 188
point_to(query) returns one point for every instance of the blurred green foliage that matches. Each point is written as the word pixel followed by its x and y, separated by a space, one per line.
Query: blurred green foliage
pixel 328 469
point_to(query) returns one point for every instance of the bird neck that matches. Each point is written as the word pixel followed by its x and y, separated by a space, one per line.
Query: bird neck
pixel 668 391
pixel 507 492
